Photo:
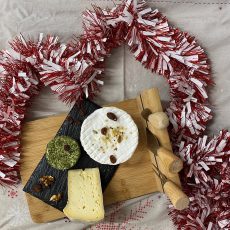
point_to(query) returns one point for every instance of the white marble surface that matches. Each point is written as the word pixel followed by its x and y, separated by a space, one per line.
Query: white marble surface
pixel 207 20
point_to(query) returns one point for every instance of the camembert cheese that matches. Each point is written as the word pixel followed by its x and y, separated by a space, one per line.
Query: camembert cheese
pixel 85 199
pixel 109 135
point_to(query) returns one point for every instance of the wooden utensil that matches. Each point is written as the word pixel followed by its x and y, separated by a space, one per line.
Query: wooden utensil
pixel 147 101
pixel 159 120
pixel 171 162
pixel 177 197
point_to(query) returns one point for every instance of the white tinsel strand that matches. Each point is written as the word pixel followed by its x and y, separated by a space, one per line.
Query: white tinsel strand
pixel 202 155
pixel 72 70
pixel 18 86
pixel 185 52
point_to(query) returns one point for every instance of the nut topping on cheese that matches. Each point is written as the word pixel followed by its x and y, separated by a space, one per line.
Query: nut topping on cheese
pixel 85 199
pixel 107 132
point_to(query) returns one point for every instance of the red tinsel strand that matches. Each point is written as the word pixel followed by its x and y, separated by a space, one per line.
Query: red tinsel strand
pixel 73 71
pixel 17 86
pixel 206 179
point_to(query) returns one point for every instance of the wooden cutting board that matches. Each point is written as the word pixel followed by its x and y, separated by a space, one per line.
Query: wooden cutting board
pixel 132 179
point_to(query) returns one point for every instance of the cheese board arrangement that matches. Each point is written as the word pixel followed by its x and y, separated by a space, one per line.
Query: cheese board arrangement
pixel 96 156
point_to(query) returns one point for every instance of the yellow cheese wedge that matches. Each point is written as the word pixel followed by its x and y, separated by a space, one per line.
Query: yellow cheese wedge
pixel 85 199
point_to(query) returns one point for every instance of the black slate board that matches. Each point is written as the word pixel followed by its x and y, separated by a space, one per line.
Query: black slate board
pixel 71 127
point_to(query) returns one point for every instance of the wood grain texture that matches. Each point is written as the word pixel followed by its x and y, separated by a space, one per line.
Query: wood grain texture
pixel 35 136
pixel 150 99
pixel 71 127
pixel 178 198
pixel 132 179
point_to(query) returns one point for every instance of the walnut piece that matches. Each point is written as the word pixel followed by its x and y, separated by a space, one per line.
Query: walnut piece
pixel 55 198
pixel 46 180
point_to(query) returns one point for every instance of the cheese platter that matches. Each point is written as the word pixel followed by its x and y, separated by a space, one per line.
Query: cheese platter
pixel 135 177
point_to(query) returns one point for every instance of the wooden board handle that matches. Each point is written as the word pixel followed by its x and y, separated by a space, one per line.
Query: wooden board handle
pixel 171 162
pixel 178 198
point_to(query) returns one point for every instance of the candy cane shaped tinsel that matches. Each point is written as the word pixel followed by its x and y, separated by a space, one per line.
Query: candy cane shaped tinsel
pixel 74 71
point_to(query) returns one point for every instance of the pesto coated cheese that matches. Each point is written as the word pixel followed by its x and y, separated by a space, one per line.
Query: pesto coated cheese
pixel 62 152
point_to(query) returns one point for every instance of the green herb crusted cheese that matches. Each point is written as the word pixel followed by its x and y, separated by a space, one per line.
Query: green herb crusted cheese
pixel 62 152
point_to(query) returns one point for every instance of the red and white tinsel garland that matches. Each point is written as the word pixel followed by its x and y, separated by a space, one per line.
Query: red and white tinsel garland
pixel 74 70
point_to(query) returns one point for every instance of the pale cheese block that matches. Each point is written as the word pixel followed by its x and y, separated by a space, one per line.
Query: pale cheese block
pixel 120 140
pixel 85 199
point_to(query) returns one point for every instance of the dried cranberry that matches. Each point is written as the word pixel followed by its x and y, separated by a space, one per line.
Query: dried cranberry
pixel 113 159
pixel 112 116
pixel 104 131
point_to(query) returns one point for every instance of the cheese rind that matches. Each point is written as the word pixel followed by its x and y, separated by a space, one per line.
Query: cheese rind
pixel 85 199
pixel 119 140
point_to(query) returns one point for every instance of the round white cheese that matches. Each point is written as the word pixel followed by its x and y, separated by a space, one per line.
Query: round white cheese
pixel 106 140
